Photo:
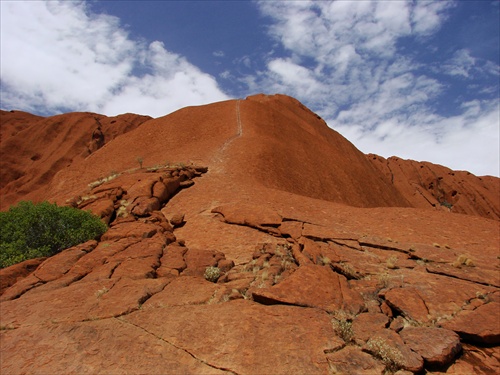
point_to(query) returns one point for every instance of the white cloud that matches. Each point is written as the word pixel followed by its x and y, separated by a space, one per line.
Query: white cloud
pixel 460 64
pixel 59 56
pixel 373 92
pixel 468 141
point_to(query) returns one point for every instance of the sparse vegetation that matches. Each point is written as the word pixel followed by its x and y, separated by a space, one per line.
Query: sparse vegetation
pixel 391 262
pixel 103 180
pixel 343 328
pixel 383 280
pixel 391 356
pixel 347 270
pixel 140 160
pixel 31 230
pixel 463 260
pixel 325 260
pixel 212 274
pixel 101 292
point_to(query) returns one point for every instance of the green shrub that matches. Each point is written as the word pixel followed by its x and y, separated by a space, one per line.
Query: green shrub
pixel 39 230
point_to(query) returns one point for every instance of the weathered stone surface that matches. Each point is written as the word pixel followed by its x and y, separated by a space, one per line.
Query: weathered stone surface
pixel 100 346
pixel 476 360
pixel 366 324
pixel 437 346
pixel 245 214
pixel 352 360
pixel 104 208
pixel 481 325
pixel 409 302
pixel 125 296
pixel 143 206
pixel 173 258
pixel 295 337
pixel 130 229
pixel 291 229
pixel 197 260
pixel 390 347
pixel 58 265
pixel 186 290
pixel 313 286
pixel 321 204
pixel 10 275
pixel 177 220
pixel 324 233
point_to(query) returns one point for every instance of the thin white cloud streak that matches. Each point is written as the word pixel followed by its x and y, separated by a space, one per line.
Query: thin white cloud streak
pixel 59 56
pixel 463 142
pixel 371 91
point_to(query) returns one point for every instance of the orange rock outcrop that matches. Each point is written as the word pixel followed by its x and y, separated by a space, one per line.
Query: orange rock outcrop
pixel 247 237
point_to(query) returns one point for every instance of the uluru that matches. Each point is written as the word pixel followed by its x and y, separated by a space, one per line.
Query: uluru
pixel 246 237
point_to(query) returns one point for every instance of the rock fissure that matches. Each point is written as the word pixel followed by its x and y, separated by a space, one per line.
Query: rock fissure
pixel 444 273
pixel 180 348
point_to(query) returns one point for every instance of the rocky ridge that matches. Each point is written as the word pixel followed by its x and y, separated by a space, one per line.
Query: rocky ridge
pixel 302 285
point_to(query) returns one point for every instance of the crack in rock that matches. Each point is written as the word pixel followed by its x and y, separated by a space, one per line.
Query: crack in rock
pixel 179 348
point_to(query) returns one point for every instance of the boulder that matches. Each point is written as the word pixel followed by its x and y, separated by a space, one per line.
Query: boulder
pixel 351 360
pixel 437 346
pixel 313 286
pixel 481 325
pixel 408 302
pixel 10 275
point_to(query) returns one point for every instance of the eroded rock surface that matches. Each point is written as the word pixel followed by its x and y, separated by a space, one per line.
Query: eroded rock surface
pixel 249 266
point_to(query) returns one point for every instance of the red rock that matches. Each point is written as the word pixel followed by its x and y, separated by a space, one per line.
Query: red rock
pixel 291 228
pixel 409 302
pixel 143 206
pixel 10 275
pixel 244 214
pixel 58 265
pixel 352 360
pixel 160 191
pixel 104 208
pixel 197 260
pixel 297 337
pixel 365 324
pixel 83 347
pixel 186 290
pixel 389 346
pixel 476 360
pixel 130 229
pixel 137 268
pixel 177 220
pixel 261 170
pixel 313 286
pixel 429 185
pixel 478 326
pixel 173 258
pixel 126 295
pixel 437 346
pixel 225 265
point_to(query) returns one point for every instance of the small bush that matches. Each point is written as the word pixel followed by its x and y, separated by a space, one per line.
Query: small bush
pixel 391 356
pixel 212 274
pixel 343 328
pixel 39 230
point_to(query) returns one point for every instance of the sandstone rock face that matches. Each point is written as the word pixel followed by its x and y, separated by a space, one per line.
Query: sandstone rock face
pixel 35 148
pixel 429 185
pixel 309 280
pixel 437 346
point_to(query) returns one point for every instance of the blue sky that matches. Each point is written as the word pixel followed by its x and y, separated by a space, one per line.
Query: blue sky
pixel 416 79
